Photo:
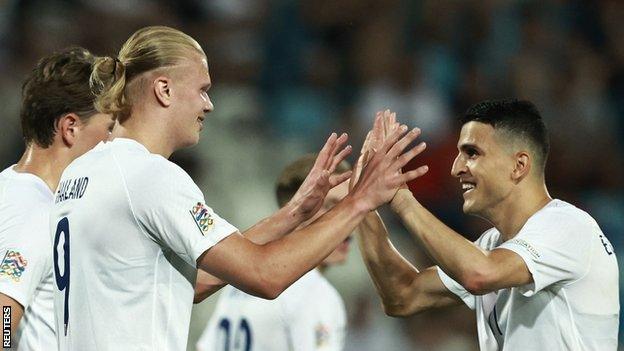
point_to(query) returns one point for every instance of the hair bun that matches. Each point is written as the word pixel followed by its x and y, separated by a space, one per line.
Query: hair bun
pixel 108 80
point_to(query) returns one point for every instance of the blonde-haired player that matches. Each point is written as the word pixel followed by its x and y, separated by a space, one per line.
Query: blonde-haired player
pixel 309 315
pixel 130 241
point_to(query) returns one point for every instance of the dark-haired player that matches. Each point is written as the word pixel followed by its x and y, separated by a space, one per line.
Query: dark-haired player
pixel 308 316
pixel 544 277
pixel 59 123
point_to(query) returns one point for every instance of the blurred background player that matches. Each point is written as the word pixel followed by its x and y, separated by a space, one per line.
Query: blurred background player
pixel 129 282
pixel 59 123
pixel 309 315
pixel 544 277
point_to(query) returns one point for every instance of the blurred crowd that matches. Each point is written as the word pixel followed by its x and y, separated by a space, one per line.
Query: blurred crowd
pixel 286 73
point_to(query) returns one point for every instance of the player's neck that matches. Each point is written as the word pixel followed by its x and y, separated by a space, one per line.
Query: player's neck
pixel 153 137
pixel 46 163
pixel 521 205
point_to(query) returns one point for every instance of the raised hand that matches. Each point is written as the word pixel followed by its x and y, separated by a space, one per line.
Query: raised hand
pixel 311 194
pixel 384 123
pixel 381 177
pixel 362 161
pixel 373 142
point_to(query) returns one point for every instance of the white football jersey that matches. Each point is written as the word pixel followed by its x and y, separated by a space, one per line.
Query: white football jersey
pixel 127 229
pixel 572 303
pixel 308 316
pixel 26 251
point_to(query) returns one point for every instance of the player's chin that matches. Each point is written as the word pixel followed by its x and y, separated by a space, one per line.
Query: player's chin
pixel 190 140
pixel 473 209
pixel 468 207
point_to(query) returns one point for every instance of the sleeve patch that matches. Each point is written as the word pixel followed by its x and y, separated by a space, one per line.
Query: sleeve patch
pixel 321 333
pixel 527 246
pixel 13 265
pixel 202 215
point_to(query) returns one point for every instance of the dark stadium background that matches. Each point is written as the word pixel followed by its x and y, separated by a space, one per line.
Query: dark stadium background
pixel 287 73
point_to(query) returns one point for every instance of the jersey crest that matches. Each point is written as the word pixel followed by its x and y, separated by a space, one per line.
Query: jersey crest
pixel 13 265
pixel 202 215
pixel 321 333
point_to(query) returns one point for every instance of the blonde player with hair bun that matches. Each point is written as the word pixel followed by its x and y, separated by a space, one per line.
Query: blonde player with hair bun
pixel 130 242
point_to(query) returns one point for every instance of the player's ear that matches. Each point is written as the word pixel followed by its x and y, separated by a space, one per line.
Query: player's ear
pixel 522 166
pixel 67 128
pixel 162 90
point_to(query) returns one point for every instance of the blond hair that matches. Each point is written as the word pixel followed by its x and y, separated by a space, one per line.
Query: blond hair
pixel 148 49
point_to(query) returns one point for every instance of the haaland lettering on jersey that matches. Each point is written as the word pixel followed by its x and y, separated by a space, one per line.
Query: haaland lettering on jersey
pixel 71 189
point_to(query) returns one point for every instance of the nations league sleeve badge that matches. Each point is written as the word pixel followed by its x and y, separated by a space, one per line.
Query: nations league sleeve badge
pixel 13 265
pixel 202 215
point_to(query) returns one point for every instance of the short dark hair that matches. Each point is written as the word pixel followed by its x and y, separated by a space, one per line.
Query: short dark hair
pixel 58 85
pixel 295 173
pixel 519 118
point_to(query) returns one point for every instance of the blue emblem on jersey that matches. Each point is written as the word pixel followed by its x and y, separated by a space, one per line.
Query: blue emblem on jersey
pixel 13 265
pixel 202 215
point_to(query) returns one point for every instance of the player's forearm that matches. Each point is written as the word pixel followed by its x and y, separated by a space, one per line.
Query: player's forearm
pixel 282 222
pixel 457 256
pixel 392 274
pixel 271 228
pixel 284 261
pixel 205 285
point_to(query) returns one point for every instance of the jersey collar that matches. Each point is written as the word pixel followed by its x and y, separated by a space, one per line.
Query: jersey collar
pixel 130 143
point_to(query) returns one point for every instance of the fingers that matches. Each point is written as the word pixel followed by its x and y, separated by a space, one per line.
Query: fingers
pixel 325 159
pixel 355 175
pixel 377 137
pixel 400 145
pixel 324 154
pixel 406 157
pixel 391 123
pixel 337 145
pixel 388 122
pixel 339 178
pixel 393 138
pixel 384 123
pixel 340 157
pixel 367 142
pixel 411 175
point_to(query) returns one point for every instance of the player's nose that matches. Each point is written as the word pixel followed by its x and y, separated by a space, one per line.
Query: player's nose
pixel 208 106
pixel 459 166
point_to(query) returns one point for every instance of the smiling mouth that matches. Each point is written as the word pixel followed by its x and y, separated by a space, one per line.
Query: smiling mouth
pixel 467 187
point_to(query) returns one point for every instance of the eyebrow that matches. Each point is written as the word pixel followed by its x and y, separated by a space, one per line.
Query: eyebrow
pixel 466 146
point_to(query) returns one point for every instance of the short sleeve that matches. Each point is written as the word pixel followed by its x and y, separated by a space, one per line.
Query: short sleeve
pixel 555 247
pixel 457 289
pixel 25 250
pixel 172 210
